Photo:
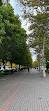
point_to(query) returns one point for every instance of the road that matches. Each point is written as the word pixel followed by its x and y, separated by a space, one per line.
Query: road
pixel 23 91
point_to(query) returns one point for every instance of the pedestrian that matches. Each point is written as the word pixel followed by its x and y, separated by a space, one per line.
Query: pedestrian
pixel 28 69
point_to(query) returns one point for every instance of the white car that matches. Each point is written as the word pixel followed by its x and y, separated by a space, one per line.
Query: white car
pixel 13 68
pixel 7 68
pixel 1 69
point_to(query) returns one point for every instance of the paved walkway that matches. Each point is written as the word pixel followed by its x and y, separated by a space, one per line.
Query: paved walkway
pixel 23 91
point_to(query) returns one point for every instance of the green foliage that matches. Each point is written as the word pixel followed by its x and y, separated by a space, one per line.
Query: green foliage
pixel 34 2
pixel 47 65
pixel 2 28
pixel 13 45
pixel 1 3
pixel 35 64
pixel 38 23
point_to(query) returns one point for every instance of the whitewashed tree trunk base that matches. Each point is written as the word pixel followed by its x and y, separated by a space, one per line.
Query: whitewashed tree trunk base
pixel 44 74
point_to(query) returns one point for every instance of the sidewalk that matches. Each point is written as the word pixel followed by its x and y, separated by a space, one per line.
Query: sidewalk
pixel 24 91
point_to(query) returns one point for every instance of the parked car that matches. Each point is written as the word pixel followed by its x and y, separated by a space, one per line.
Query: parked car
pixel 13 68
pixel 1 68
pixel 7 68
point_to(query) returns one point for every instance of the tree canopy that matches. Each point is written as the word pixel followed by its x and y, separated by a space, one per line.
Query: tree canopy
pixel 13 37
pixel 37 14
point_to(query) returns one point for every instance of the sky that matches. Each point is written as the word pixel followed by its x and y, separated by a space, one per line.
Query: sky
pixel 18 10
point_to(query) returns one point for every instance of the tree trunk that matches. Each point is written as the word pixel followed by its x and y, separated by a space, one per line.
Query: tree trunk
pixel 44 74
pixel 3 63
pixel 39 65
pixel 11 65
pixel 19 66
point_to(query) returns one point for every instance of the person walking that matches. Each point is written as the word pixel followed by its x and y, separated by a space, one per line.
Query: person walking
pixel 28 69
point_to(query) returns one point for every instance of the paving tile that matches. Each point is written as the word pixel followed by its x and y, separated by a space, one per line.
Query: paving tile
pixel 29 92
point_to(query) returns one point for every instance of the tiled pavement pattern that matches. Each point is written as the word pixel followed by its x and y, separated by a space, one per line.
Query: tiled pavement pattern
pixel 23 91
